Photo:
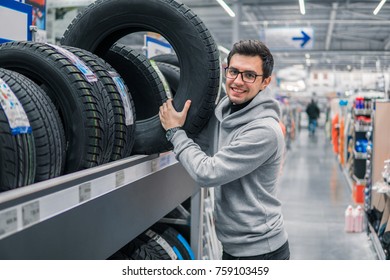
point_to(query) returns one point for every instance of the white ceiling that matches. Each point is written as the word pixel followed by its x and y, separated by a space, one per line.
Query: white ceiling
pixel 345 32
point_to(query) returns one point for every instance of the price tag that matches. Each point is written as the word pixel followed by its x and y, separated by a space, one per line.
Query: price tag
pixel 119 178
pixel 84 69
pixel 167 89
pixel 164 161
pixel 124 96
pixel 17 117
pixel 8 222
pixel 154 164
pixel 85 192
pixel 30 213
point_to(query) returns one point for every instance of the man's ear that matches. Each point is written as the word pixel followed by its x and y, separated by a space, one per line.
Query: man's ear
pixel 266 82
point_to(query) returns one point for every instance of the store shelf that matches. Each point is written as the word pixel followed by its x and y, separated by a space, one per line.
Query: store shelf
pixel 362 112
pixel 348 178
pixel 359 181
pixel 92 213
pixel 362 128
pixel 358 155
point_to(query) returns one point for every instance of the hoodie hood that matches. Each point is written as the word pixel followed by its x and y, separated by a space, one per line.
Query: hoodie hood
pixel 263 105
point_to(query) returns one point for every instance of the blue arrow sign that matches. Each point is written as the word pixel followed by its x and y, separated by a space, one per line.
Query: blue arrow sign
pixel 304 39
pixel 288 38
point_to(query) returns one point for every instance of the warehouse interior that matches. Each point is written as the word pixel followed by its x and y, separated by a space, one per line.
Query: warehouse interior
pixel 334 52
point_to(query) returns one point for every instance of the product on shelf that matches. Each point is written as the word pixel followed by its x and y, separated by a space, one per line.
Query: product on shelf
pixel 17 148
pixel 46 125
pixel 68 86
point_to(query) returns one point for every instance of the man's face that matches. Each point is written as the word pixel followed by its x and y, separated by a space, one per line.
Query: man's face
pixel 239 91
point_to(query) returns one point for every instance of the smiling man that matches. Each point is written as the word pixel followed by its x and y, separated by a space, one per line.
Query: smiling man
pixel 239 153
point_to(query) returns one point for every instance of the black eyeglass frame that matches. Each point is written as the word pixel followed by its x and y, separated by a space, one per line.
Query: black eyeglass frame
pixel 242 76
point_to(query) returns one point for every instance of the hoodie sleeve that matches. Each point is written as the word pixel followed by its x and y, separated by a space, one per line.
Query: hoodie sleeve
pixel 203 138
pixel 254 146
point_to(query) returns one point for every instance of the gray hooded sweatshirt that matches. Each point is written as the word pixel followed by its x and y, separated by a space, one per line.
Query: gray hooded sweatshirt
pixel 243 163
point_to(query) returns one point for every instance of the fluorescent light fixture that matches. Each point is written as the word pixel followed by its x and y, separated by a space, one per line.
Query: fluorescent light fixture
pixel 226 7
pixel 377 9
pixel 302 6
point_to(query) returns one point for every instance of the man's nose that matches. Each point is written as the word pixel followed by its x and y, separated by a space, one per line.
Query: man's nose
pixel 239 78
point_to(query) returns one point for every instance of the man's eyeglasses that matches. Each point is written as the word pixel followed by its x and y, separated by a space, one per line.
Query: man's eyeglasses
pixel 246 76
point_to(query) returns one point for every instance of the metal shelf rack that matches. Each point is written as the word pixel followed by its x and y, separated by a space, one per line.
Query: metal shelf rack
pixel 92 213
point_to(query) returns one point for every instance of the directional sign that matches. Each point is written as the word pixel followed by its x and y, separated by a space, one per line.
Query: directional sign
pixel 289 38
pixel 304 38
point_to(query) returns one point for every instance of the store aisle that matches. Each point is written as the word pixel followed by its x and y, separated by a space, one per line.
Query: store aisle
pixel 315 194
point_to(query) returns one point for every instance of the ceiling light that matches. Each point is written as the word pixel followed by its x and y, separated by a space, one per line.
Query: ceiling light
pixel 377 9
pixel 302 6
pixel 226 7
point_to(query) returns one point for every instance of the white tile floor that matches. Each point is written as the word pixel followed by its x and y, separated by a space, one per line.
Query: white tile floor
pixel 315 194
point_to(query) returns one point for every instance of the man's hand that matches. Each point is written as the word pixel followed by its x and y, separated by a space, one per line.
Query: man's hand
pixel 170 118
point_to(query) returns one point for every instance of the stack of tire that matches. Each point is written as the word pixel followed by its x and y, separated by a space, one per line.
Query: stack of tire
pixel 95 101
pixel 78 113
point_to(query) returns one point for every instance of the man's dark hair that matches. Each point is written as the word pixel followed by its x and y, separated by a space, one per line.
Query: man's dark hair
pixel 254 48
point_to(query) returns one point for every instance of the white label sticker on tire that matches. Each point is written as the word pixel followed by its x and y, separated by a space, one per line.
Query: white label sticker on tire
pixel 167 89
pixel 125 97
pixel 84 69
pixel 161 241
pixel 17 117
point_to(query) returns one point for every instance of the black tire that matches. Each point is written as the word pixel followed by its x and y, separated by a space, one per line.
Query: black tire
pixel 102 23
pixel 120 135
pixel 176 240
pixel 171 74
pixel 70 92
pixel 139 249
pixel 103 98
pixel 128 113
pixel 140 77
pixel 47 129
pixel 168 58
pixel 150 235
pixel 17 149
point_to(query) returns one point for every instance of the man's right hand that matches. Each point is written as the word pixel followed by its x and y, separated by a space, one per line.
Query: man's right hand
pixel 170 118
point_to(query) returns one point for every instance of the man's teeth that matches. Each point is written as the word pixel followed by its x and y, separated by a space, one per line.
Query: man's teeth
pixel 238 90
